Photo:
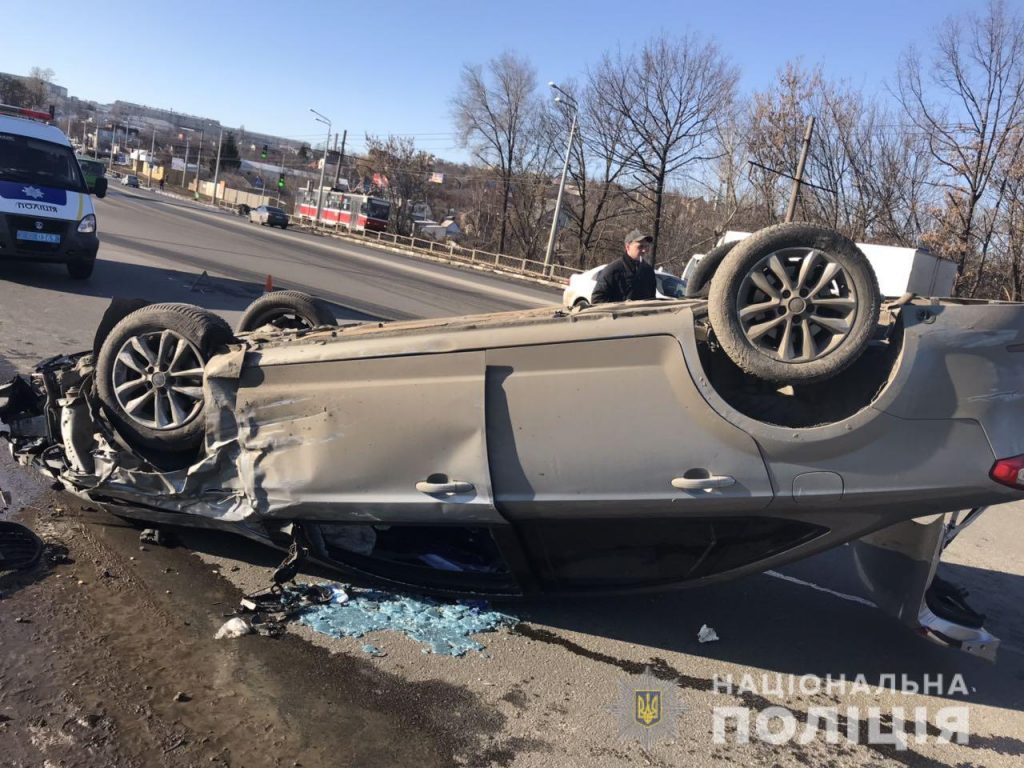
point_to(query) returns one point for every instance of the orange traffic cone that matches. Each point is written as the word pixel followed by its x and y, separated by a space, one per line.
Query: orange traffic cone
pixel 268 286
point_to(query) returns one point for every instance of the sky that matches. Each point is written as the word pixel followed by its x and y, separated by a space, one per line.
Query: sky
pixel 393 67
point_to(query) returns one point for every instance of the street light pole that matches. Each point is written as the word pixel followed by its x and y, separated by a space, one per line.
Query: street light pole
pixel 188 139
pixel 185 169
pixel 320 193
pixel 568 100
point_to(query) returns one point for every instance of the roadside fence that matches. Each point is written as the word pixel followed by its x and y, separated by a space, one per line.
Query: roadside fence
pixel 554 274
pixel 450 251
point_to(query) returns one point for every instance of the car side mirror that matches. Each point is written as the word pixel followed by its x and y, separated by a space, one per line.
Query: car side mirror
pixel 99 187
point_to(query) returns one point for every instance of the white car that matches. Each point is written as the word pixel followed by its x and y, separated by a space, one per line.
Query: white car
pixel 581 287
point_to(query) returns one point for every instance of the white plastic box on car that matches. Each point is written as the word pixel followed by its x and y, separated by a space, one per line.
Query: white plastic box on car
pixel 899 270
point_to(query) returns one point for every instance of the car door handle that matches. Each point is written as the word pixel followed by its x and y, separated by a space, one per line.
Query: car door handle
pixel 452 486
pixel 703 483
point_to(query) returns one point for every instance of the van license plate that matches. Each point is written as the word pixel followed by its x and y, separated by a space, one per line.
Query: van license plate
pixel 38 237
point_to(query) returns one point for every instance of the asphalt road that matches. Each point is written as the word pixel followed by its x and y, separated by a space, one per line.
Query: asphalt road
pixel 543 694
pixel 157 246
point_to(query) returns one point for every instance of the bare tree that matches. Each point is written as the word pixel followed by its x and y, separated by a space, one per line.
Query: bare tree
pixel 37 86
pixel 967 103
pixel 867 174
pixel 530 209
pixel 669 97
pixel 406 169
pixel 774 129
pixel 493 110
pixel 595 198
pixel 13 91
pixel 1013 233
pixel 893 169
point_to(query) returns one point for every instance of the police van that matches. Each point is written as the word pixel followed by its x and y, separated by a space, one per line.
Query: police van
pixel 46 214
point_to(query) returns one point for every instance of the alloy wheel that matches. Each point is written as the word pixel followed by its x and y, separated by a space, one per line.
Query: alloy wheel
pixel 797 305
pixel 158 380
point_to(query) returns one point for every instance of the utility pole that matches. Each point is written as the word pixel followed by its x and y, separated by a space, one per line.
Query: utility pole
pixel 795 192
pixel 327 142
pixel 279 175
pixel 323 169
pixel 216 170
pixel 199 157
pixel 337 171
pixel 185 169
pixel 152 150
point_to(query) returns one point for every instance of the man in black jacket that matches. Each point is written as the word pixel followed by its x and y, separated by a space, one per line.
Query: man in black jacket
pixel 630 278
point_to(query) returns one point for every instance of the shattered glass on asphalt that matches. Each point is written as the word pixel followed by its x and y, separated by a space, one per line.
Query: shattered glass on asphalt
pixel 444 628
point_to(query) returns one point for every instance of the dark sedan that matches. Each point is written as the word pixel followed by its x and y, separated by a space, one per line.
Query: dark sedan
pixel 269 215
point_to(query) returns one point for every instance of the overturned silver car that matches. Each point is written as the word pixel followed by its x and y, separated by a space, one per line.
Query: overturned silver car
pixel 622 447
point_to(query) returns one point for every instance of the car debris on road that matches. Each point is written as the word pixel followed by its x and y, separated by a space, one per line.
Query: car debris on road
pixel 706 634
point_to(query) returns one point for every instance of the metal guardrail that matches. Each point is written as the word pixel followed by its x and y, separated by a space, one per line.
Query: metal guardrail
pixel 556 274
pixel 553 274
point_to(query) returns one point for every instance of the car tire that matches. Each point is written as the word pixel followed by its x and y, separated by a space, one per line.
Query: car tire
pixel 698 284
pixel 118 310
pixel 284 226
pixel 581 304
pixel 81 270
pixel 176 341
pixel 287 310
pixel 769 310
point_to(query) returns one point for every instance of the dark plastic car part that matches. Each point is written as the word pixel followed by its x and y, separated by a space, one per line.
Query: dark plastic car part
pixel 287 310
pixel 949 601
pixel 794 303
pixel 149 374
pixel 20 548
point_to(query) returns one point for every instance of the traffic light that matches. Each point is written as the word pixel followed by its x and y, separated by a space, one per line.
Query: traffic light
pixel 263 153
pixel 280 181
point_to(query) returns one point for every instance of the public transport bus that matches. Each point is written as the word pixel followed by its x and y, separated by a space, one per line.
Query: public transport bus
pixel 352 210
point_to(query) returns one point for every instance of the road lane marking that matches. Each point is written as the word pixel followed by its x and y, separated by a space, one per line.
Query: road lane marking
pixel 834 593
